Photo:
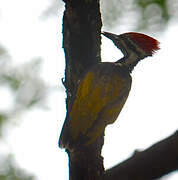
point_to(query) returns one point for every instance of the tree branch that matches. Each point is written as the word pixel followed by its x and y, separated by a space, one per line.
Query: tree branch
pixel 156 161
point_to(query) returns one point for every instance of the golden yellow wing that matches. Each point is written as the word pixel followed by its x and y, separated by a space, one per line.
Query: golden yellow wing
pixel 99 99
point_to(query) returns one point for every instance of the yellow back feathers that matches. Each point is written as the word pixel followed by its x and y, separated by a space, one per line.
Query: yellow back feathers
pixel 100 96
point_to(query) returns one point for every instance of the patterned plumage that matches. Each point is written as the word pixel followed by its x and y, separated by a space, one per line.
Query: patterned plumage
pixel 103 91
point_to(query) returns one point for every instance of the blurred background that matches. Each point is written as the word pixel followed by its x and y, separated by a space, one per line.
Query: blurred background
pixel 32 98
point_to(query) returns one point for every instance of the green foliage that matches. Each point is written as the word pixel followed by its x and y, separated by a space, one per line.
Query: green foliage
pixel 3 118
pixel 150 15
pixel 156 8
pixel 25 83
pixel 28 90
pixel 13 82
pixel 2 50
pixel 10 171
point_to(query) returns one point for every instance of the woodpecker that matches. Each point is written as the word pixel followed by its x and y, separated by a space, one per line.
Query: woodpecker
pixel 103 91
pixel 134 46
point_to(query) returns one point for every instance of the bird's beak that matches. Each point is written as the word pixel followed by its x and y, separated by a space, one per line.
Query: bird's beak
pixel 110 35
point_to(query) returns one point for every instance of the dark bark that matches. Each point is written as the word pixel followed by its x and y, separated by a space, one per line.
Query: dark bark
pixel 81 43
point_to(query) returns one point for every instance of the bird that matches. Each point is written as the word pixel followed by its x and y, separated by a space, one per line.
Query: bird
pixel 103 90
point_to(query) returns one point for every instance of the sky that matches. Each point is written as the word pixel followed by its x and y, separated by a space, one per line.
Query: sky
pixel 149 115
